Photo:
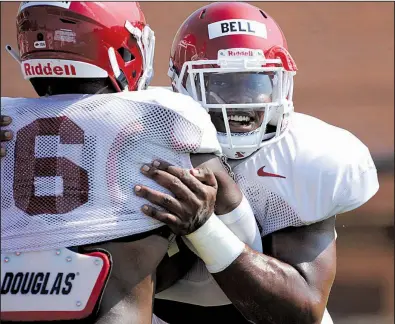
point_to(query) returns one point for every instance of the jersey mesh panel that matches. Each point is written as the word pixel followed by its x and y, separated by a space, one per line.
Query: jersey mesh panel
pixel 119 136
pixel 271 211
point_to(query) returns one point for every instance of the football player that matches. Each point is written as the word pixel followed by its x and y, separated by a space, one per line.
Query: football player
pixel 296 171
pixel 75 245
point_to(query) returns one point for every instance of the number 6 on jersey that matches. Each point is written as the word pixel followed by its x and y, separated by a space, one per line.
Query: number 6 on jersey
pixel 29 169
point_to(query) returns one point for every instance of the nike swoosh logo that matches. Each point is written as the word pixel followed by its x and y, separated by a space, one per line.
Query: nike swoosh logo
pixel 262 173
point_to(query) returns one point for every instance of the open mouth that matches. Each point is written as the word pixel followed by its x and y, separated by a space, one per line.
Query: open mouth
pixel 239 122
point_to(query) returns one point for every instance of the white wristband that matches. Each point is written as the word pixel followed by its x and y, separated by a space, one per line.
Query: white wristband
pixel 241 221
pixel 216 244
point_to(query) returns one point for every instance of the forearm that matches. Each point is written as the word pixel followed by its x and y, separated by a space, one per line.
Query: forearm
pixel 129 293
pixel 260 286
pixel 133 306
pixel 266 290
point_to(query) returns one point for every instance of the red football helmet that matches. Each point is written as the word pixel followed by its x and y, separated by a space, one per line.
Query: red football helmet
pixel 85 40
pixel 233 58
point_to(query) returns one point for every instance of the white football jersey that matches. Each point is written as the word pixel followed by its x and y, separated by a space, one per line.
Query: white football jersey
pixel 68 178
pixel 314 171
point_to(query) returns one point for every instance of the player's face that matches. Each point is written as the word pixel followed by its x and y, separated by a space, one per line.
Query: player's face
pixel 238 88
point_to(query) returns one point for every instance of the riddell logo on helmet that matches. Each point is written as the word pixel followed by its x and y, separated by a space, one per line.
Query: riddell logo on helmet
pixel 48 69
pixel 44 68
pixel 239 53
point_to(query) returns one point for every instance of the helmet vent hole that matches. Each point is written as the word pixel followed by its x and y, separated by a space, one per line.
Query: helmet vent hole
pixel 66 21
pixel 202 14
pixel 263 14
pixel 126 55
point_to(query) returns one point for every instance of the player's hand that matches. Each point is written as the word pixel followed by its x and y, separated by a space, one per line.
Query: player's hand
pixel 5 135
pixel 193 201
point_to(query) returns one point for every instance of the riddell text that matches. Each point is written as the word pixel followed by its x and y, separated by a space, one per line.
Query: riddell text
pixel 48 69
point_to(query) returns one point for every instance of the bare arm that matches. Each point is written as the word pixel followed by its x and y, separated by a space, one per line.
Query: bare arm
pixel 291 281
pixel 128 296
pixel 293 284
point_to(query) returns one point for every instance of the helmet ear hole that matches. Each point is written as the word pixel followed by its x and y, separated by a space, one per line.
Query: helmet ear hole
pixel 126 55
